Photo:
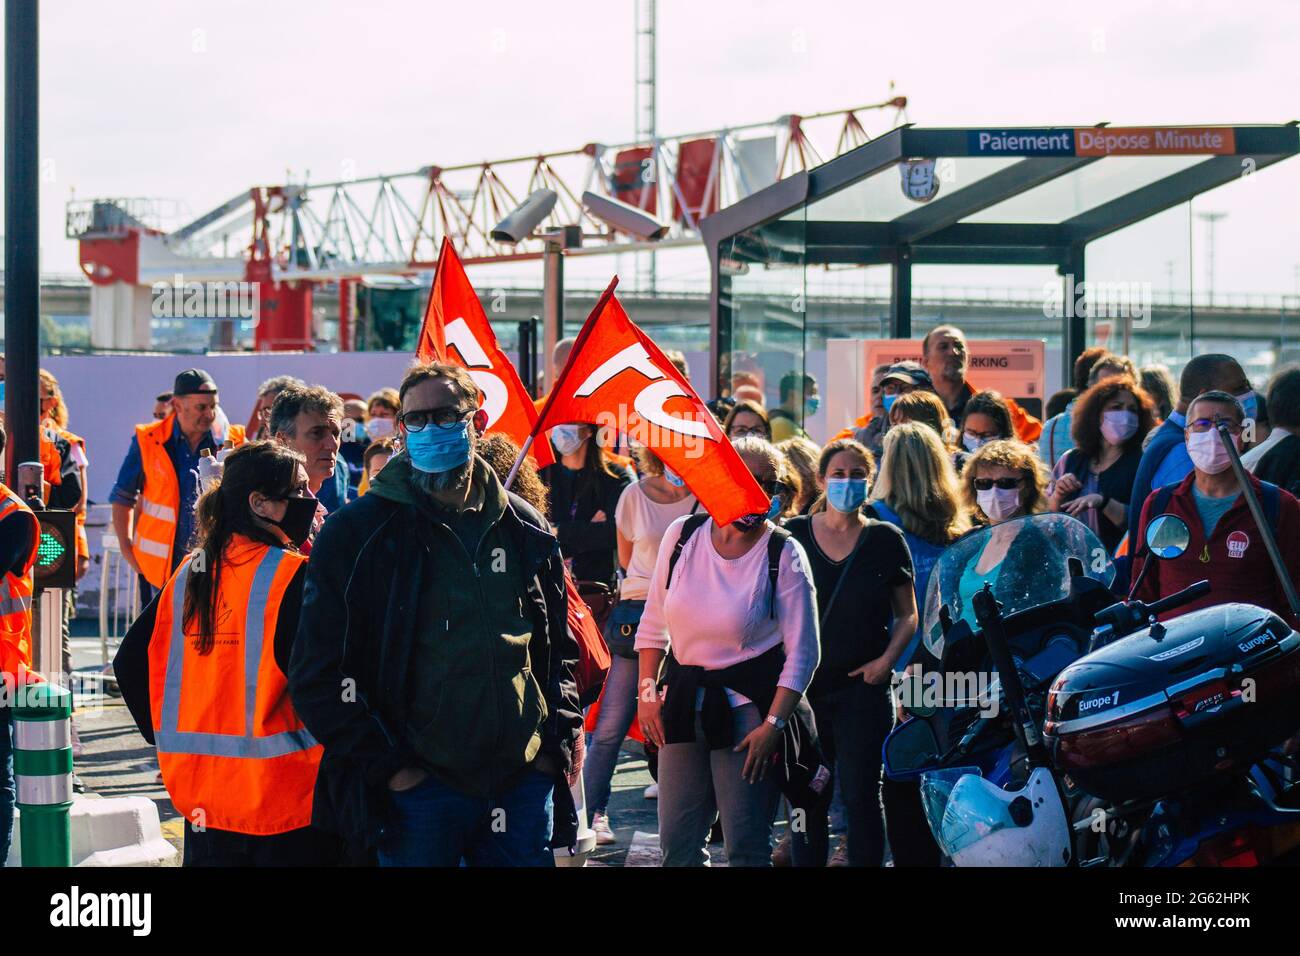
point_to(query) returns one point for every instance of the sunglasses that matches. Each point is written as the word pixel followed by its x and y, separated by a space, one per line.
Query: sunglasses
pixel 1006 484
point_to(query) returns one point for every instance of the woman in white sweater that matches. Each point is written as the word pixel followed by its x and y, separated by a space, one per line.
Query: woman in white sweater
pixel 720 614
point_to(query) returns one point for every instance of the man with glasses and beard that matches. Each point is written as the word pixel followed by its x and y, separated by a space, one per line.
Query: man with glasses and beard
pixel 432 658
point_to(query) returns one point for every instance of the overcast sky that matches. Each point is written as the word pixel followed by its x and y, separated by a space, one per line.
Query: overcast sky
pixel 200 100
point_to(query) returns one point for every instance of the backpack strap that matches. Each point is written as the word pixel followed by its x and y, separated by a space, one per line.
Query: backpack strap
pixel 1270 502
pixel 1163 494
pixel 775 545
pixel 692 525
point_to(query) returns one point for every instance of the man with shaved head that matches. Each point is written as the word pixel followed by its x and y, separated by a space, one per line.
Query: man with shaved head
pixel 1165 461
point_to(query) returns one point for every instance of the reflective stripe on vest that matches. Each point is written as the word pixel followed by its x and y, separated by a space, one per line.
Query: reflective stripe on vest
pixel 155 510
pixel 16 596
pixel 160 501
pixel 169 737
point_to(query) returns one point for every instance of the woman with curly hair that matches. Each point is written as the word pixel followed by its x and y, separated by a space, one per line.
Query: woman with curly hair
pixel 1093 481
pixel 1003 480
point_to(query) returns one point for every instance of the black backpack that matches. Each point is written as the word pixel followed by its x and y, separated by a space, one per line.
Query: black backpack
pixel 775 545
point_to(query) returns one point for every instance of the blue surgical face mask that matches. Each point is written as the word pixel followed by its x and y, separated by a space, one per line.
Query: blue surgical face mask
pixel 812 403
pixel 438 448
pixel 1248 400
pixel 888 402
pixel 846 495
pixel 673 478
pixel 971 442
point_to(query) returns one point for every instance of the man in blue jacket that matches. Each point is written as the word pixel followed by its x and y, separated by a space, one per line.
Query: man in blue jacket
pixel 1165 461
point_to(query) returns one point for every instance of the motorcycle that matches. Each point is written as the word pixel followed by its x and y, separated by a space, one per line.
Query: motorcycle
pixel 1059 727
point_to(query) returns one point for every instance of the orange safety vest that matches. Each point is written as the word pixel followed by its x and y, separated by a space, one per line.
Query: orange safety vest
pixel 160 499
pixel 234 753
pixel 16 603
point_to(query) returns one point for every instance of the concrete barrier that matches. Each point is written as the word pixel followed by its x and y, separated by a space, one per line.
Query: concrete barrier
pixel 111 831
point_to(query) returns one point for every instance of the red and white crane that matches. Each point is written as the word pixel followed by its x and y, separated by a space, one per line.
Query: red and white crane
pixel 289 238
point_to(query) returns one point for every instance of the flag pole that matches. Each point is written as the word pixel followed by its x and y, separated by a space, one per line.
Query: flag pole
pixel 583 334
pixel 523 453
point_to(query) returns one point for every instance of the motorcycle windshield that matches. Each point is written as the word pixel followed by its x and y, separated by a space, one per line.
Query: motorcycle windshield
pixel 936 788
pixel 1025 561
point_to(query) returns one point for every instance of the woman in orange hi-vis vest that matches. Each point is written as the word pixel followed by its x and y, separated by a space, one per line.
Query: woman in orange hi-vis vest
pixel 19 537
pixel 203 672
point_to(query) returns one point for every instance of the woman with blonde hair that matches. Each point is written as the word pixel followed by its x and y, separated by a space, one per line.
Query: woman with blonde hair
pixel 919 493
pixel 927 407
pixel 802 454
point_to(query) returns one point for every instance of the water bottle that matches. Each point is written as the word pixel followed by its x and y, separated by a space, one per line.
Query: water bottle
pixel 209 470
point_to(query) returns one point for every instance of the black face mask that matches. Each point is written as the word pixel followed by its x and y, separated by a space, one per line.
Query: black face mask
pixel 299 513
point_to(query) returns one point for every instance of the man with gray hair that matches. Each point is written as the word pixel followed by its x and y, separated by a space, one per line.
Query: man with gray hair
pixel 309 419
pixel 266 394
pixel 1226 546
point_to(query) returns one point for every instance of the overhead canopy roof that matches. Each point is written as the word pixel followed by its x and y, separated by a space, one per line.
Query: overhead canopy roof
pixel 996 195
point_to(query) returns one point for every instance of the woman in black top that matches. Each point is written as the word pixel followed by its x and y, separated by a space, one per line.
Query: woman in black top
pixel 585 487
pixel 863 574
pixel 1093 481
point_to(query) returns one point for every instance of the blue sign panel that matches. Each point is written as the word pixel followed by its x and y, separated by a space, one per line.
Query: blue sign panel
pixel 1020 142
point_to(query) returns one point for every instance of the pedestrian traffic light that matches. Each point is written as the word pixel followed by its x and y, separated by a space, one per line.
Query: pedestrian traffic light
pixel 56 554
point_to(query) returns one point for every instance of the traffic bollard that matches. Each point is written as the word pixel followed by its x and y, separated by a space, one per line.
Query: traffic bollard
pixel 43 773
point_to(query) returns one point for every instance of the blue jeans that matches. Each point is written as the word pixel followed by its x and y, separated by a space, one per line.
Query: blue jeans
pixel 434 825
pixel 696 783
pixel 617 711
pixel 8 789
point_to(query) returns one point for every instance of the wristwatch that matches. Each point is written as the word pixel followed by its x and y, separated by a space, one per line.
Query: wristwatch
pixel 775 721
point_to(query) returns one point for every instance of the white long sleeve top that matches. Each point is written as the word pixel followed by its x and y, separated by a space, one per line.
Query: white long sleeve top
pixel 716 613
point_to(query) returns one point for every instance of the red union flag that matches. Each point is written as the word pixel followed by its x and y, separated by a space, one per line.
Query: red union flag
pixel 616 377
pixel 457 330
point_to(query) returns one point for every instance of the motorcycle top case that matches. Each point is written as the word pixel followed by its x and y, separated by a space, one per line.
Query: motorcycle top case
pixel 1147 716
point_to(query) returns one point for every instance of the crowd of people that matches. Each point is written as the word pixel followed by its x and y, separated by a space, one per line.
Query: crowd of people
pixel 358 646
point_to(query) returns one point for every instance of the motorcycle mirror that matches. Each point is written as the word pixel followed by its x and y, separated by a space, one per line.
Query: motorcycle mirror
pixel 911 746
pixel 1168 536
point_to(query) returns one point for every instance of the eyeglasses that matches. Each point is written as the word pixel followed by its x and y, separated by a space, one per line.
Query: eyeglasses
pixel 1006 484
pixel 418 420
pixel 772 486
pixel 1201 425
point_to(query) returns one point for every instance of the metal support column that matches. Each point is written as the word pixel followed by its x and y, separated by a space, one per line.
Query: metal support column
pixel 22 235
pixel 900 295
pixel 552 304
pixel 1074 327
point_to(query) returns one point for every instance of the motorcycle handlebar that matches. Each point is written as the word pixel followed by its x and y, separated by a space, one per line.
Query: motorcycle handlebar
pixel 1199 589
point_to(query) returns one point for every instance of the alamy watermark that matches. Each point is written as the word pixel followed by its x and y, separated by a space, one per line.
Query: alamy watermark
pixel 1099 300
pixel 206 300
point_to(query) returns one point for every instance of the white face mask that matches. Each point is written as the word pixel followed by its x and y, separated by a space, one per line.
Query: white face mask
pixel 567 438
pixel 998 503
pixel 971 442
pixel 1118 427
pixel 379 428
pixel 1207 453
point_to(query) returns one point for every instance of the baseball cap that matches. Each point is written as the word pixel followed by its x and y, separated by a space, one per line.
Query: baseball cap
pixel 912 373
pixel 193 381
